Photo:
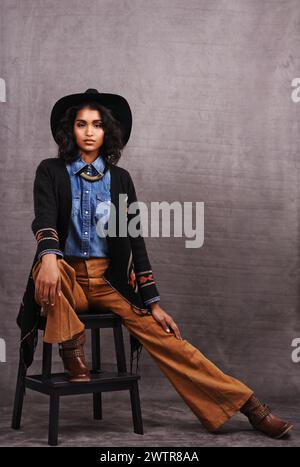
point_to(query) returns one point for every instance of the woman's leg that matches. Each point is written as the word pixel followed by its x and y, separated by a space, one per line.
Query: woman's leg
pixel 211 394
pixel 62 321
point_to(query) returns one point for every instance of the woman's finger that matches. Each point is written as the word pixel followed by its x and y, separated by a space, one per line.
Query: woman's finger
pixel 175 329
pixel 41 290
pixel 46 294
pixel 177 332
pixel 37 291
pixel 58 287
pixel 52 293
pixel 165 325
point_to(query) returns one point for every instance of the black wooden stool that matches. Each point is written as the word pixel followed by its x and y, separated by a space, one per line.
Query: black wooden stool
pixel 57 384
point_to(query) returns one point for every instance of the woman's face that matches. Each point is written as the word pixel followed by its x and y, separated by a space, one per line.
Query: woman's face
pixel 88 126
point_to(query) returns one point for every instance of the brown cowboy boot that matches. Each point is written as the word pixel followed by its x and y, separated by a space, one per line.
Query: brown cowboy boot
pixel 261 418
pixel 72 354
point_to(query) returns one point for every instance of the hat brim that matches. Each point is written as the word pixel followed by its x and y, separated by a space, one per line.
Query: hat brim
pixel 117 104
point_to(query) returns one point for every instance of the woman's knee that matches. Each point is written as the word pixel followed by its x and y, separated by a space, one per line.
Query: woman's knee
pixel 64 266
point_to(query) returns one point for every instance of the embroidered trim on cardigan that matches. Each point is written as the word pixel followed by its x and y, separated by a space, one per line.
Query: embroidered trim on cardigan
pixel 144 272
pixel 46 228
pixel 46 234
pixel 131 276
pixel 145 278
pixel 50 250
pixel 145 285
pixel 46 238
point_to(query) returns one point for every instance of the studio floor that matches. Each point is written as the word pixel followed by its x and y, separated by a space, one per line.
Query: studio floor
pixel 166 423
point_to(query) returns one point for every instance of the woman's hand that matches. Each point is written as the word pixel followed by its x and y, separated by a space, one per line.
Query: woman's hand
pixel 48 281
pixel 164 319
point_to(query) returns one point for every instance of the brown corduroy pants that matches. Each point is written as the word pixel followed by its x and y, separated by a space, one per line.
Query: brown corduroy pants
pixel 212 395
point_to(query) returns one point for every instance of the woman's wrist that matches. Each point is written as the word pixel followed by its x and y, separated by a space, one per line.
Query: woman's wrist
pixel 49 258
pixel 154 305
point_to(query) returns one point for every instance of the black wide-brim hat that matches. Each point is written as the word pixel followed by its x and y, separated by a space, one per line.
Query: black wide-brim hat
pixel 117 104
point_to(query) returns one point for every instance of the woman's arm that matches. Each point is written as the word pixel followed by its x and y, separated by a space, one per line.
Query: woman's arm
pixel 143 270
pixel 45 209
pixel 48 281
pixel 144 274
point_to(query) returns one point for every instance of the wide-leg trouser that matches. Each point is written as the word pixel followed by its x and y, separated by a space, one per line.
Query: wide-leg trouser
pixel 212 395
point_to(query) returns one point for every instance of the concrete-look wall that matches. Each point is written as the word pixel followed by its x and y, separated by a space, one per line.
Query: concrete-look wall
pixel 209 84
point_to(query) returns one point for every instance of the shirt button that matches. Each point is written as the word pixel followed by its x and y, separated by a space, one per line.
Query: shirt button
pixel 85 233
pixel 87 191
pixel 84 252
pixel 86 212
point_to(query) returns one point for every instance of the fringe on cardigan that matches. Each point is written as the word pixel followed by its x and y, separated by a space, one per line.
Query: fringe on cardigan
pixel 135 348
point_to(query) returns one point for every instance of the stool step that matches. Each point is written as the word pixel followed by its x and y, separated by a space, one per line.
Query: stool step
pixel 101 381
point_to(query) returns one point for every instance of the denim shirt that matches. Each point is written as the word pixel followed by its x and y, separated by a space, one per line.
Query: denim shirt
pixel 90 212
pixel 90 205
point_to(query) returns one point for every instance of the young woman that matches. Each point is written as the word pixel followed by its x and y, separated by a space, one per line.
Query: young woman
pixel 77 267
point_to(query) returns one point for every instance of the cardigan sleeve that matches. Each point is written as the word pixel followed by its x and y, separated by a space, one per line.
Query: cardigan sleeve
pixel 45 210
pixel 143 270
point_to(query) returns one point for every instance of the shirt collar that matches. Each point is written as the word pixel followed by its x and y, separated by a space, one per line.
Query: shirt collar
pixel 79 163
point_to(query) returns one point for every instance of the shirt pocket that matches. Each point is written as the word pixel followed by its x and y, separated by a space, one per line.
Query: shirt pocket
pixel 76 198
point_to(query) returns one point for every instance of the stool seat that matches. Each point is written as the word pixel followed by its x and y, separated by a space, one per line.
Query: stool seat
pixel 57 384
pixel 91 320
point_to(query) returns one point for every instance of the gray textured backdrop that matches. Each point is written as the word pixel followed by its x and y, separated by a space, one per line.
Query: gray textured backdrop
pixel 209 83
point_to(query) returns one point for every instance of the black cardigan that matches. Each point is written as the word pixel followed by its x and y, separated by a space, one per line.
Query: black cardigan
pixel 129 271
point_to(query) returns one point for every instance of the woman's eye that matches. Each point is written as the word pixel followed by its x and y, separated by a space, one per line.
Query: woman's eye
pixel 97 125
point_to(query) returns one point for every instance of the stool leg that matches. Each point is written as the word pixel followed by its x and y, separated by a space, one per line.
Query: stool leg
pixel 19 397
pixel 136 409
pixel 120 349
pixel 46 363
pixel 97 405
pixel 96 364
pixel 53 419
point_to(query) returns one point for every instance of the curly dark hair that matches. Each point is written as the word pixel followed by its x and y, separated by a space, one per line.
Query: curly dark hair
pixel 113 134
